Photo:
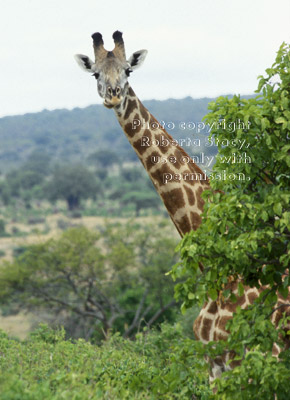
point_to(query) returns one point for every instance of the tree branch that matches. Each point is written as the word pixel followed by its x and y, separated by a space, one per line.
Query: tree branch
pixel 135 321
pixel 160 311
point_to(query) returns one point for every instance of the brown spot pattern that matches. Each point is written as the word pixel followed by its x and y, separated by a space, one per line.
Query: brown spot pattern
pixel 163 147
pixel 144 112
pixel 158 175
pixel 232 306
pixel 173 200
pixel 223 321
pixel 131 92
pixel 200 201
pixel 252 297
pixel 148 162
pixel 125 102
pixel 240 300
pixel 132 105
pixel 139 147
pixel 205 329
pixel 184 224
pixel 128 128
pixel 277 316
pixel 178 163
pixel 196 327
pixel 190 195
pixel 147 133
pixel 195 220
pixel 212 309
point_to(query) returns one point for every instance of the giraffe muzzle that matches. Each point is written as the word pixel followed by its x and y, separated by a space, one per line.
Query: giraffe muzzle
pixel 114 101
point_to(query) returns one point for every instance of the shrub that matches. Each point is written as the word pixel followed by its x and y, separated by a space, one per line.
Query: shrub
pixel 246 229
pixel 157 365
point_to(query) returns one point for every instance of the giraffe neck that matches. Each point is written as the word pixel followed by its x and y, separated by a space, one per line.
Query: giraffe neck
pixel 176 178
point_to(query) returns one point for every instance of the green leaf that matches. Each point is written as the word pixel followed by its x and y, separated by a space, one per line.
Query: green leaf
pixel 264 215
pixel 277 208
pixel 213 294
pixel 240 289
pixel 280 120
pixel 233 298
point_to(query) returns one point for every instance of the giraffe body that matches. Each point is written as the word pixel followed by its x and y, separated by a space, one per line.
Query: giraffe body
pixel 210 325
pixel 179 183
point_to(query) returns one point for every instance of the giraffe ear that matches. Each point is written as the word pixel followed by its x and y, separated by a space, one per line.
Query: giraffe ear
pixel 136 59
pixel 85 63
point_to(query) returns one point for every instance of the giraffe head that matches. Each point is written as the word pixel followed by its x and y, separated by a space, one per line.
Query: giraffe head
pixel 111 68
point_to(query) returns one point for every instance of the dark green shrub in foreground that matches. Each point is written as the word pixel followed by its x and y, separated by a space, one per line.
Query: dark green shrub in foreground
pixel 157 365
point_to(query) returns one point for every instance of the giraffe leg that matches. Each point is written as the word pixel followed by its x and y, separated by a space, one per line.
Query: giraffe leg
pixel 216 369
pixel 219 365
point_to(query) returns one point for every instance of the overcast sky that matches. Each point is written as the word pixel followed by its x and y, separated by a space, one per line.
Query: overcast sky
pixel 195 48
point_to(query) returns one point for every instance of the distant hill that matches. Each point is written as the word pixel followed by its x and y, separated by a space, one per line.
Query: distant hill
pixel 71 136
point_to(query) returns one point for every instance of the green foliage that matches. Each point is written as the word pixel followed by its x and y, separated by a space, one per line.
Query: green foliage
pixel 45 334
pixel 246 226
pixel 97 282
pixel 261 376
pixel 132 175
pixel 72 183
pixel 38 161
pixel 157 365
pixel 104 158
pixel 2 228
pixel 141 200
pixel 26 182
pixel 5 195
pixel 72 136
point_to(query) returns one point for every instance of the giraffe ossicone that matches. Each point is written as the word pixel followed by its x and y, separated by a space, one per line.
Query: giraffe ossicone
pixel 181 197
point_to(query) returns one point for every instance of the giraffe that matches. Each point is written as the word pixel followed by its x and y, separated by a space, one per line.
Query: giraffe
pixel 177 179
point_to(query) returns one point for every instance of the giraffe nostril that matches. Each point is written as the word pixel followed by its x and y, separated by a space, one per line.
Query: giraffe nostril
pixel 109 91
pixel 118 90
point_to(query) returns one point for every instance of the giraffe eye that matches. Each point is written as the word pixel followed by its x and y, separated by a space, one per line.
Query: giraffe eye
pixel 128 71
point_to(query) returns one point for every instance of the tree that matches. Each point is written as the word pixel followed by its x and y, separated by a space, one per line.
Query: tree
pixel 39 162
pixel 96 282
pixel 72 183
pixel 5 194
pixel 2 228
pixel 104 158
pixel 27 181
pixel 133 175
pixel 141 200
pixel 246 229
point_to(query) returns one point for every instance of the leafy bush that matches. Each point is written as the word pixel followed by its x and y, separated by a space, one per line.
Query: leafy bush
pixel 246 229
pixel 157 365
